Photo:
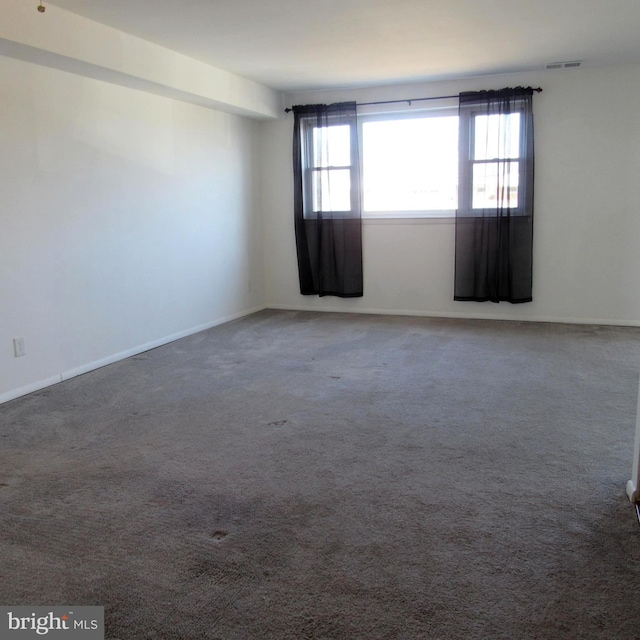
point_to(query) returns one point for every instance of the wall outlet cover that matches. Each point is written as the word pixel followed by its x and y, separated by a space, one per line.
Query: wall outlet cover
pixel 18 347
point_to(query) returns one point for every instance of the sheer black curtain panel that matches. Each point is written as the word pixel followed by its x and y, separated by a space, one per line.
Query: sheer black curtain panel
pixel 327 207
pixel 494 220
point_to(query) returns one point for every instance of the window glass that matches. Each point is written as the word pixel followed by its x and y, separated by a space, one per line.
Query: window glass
pixel 486 194
pixel 497 136
pixel 332 146
pixel 332 190
pixel 410 165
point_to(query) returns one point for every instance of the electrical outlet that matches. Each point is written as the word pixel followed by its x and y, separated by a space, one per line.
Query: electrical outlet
pixel 18 347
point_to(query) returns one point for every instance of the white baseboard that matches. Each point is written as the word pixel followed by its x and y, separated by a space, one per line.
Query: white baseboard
pixel 91 366
pixel 29 388
pixel 72 373
pixel 127 353
pixel 455 315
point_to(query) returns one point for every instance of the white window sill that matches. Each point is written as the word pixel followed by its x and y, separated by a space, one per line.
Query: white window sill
pixel 404 220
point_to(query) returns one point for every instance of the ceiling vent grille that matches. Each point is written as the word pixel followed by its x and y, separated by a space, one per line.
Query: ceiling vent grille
pixel 565 65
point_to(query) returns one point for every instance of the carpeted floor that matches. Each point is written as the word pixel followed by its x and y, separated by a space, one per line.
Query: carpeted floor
pixel 294 476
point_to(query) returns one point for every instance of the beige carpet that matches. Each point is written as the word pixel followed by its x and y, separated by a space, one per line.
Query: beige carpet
pixel 294 476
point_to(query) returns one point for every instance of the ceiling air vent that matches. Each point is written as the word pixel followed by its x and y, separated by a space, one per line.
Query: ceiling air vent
pixel 564 65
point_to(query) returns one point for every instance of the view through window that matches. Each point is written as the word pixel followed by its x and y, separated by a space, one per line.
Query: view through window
pixel 331 173
pixel 410 166
pixel 496 165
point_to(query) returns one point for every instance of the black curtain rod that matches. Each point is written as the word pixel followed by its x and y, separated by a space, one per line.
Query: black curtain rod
pixel 408 100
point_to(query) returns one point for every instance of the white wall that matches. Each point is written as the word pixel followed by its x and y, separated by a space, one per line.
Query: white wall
pixel 587 219
pixel 127 219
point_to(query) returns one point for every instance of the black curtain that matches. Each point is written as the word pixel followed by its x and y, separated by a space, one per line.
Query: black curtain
pixel 494 220
pixel 327 209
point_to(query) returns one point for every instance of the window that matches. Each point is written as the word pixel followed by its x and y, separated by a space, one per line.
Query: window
pixel 495 154
pixel 331 170
pixel 493 165
pixel 410 164
pixel 330 184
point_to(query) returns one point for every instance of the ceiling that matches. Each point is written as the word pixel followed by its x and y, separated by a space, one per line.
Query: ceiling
pixel 294 45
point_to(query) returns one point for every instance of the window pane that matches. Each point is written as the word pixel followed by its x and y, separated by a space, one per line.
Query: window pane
pixel 410 164
pixel 497 136
pixel 332 190
pixel 332 146
pixel 495 185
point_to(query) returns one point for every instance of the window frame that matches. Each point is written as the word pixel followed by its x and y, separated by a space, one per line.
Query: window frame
pixel 449 109
pixel 467 143
pixel 311 168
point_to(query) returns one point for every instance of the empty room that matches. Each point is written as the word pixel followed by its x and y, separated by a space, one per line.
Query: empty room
pixel 319 320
